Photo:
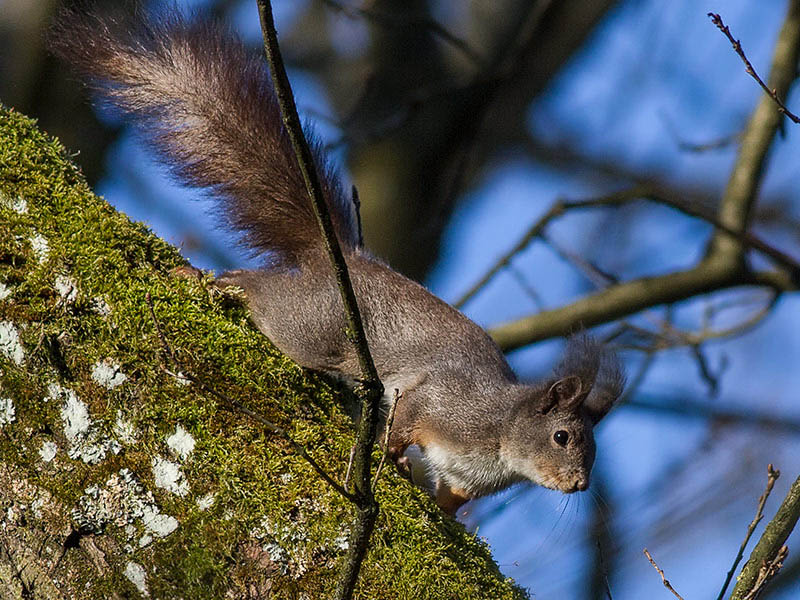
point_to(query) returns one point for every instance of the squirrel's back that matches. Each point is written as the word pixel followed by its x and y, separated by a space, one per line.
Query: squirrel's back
pixel 207 106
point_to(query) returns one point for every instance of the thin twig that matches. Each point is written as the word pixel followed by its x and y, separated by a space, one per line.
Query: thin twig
pixel 638 378
pixel 737 46
pixel 291 120
pixel 238 406
pixel 664 580
pixel 370 389
pixel 526 286
pixel 675 337
pixel 349 471
pixel 357 209
pixel 716 144
pixel 772 477
pixel 698 147
pixel 388 431
pixel 603 570
pixel 711 378
pixel 533 232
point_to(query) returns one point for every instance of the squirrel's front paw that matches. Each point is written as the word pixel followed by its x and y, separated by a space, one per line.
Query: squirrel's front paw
pixel 404 467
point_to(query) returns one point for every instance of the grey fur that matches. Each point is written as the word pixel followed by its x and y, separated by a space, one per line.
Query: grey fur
pixel 208 108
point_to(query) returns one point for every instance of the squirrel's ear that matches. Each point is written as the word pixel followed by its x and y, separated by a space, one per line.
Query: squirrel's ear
pixel 567 393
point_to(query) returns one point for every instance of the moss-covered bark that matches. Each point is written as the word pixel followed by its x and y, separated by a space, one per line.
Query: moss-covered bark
pixel 119 479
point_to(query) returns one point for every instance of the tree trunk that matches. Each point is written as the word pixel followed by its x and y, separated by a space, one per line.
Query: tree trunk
pixel 119 478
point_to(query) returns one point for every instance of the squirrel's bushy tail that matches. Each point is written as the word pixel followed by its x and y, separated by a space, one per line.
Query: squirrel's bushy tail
pixel 208 108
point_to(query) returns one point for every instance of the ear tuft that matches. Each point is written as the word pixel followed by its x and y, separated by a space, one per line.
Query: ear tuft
pixel 598 371
pixel 608 387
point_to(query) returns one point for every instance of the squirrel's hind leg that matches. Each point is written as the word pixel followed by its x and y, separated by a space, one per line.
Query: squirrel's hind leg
pixel 450 499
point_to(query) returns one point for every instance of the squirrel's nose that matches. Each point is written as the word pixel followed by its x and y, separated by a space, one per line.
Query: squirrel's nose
pixel 582 483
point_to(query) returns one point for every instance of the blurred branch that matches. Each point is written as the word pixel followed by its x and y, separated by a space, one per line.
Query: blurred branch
pixel 664 580
pixel 737 46
pixel 600 540
pixel 644 191
pixel 482 89
pixel 706 373
pixel 388 19
pixel 714 144
pixel 534 231
pixel 597 276
pixel 457 112
pixel 712 411
pixel 632 388
pixel 772 477
pixel 671 336
pixel 767 556
pixel 724 265
pixel 527 287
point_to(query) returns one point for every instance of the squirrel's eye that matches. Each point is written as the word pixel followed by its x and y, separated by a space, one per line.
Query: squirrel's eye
pixel 561 437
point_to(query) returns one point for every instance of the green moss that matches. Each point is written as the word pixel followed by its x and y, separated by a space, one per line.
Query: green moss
pixel 273 522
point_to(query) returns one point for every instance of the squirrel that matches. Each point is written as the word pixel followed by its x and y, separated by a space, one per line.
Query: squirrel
pixel 207 107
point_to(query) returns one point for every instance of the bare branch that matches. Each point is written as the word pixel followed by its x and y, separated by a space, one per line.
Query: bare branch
pixel 698 147
pixel 533 232
pixel 741 191
pixel 664 580
pixel 748 67
pixel 724 265
pixel 769 552
pixel 597 276
pixel 689 407
pixel 388 19
pixel 639 192
pixel 526 286
pixel 772 477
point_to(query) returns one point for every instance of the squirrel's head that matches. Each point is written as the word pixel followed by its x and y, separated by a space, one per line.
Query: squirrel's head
pixel 550 438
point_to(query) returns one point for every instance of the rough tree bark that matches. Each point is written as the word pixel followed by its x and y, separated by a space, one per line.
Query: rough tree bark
pixel 119 478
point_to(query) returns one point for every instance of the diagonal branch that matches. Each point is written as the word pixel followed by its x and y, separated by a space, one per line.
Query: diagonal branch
pixel 724 264
pixel 741 191
pixel 664 579
pixel 769 548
